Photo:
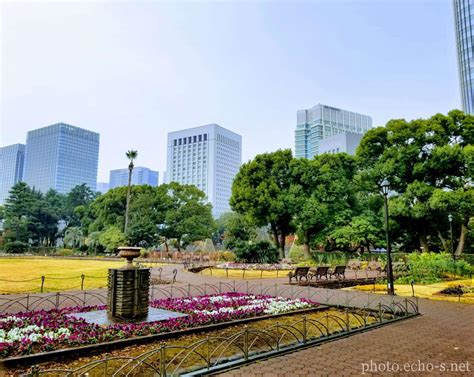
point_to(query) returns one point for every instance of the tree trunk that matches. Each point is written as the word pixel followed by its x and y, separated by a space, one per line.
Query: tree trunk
pixel 275 237
pixel 443 242
pixel 424 243
pixel 166 247
pixel 306 248
pixel 282 245
pixel 130 169
pixel 462 240
pixel 178 244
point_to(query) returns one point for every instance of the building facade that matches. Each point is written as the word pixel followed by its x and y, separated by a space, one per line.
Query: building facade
pixel 208 157
pixel 464 26
pixel 12 159
pixel 140 176
pixel 344 142
pixel 61 157
pixel 102 187
pixel 322 121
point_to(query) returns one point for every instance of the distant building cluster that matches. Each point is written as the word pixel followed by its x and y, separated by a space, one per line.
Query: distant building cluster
pixel 140 176
pixel 314 126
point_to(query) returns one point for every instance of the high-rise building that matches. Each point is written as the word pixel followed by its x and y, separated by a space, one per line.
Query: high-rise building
pixel 61 157
pixel 102 187
pixel 140 176
pixel 344 142
pixel 464 25
pixel 321 121
pixel 12 158
pixel 208 157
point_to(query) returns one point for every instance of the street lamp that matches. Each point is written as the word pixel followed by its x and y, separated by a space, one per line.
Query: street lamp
pixel 450 218
pixel 385 188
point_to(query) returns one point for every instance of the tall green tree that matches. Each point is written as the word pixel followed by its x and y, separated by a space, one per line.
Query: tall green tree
pixel 261 191
pixel 424 160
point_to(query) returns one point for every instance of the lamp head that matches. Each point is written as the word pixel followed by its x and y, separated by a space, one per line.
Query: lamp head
pixel 385 186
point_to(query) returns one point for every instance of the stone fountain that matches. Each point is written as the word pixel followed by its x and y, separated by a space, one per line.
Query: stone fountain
pixel 128 288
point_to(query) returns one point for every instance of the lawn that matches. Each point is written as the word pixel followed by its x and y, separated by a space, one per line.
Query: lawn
pixel 22 275
pixel 430 291
pixel 244 274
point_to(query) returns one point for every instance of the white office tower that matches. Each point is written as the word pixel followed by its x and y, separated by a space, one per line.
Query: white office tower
pixel 208 157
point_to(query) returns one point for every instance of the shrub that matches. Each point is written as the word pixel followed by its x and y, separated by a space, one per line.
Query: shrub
pixel 296 254
pixel 144 253
pixel 259 252
pixel 428 268
pixel 227 256
pixel 64 252
pixel 16 247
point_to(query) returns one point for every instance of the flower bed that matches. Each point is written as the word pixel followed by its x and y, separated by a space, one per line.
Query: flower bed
pixel 41 331
pixel 255 266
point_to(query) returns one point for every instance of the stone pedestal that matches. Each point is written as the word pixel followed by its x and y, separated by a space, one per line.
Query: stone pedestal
pixel 128 292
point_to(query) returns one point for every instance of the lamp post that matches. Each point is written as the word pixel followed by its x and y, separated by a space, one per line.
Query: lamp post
pixel 450 218
pixel 385 188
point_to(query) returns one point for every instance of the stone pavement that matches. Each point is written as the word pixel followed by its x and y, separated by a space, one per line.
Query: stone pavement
pixel 443 334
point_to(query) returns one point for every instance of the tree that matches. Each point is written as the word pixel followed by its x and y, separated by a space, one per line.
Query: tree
pixel 188 216
pixel 73 237
pixel 93 241
pixel 131 155
pixel 238 229
pixel 323 196
pixel 261 191
pixel 80 196
pixel 112 238
pixel 424 160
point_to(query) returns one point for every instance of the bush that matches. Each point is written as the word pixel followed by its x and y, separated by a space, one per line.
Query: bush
pixel 144 253
pixel 227 256
pixel 259 252
pixel 16 247
pixel 296 254
pixel 429 268
pixel 64 252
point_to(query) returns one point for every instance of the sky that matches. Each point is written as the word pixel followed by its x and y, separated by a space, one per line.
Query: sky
pixel 135 70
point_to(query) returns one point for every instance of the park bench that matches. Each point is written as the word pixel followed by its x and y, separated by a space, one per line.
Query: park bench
pixel 298 274
pixel 339 272
pixel 319 272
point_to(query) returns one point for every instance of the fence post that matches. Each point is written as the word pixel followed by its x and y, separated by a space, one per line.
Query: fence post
pixel 84 299
pixel 246 342
pixel 380 312
pixel 276 290
pixel 406 306
pixel 227 272
pixel 162 359
pixel 57 300
pixel 305 334
pixel 412 288
pixel 42 283
pixel 348 322
pixel 82 281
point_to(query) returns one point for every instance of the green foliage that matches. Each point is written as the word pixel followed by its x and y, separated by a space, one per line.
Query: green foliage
pixel 227 256
pixel 73 237
pixel 64 252
pixel 16 247
pixel 112 238
pixel 428 268
pixel 297 254
pixel 262 192
pixel 238 229
pixel 259 252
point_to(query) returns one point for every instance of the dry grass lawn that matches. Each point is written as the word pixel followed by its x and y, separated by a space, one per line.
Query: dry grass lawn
pixel 21 275
pixel 430 291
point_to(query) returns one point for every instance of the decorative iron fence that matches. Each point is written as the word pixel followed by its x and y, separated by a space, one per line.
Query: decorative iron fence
pixel 217 353
pixel 331 297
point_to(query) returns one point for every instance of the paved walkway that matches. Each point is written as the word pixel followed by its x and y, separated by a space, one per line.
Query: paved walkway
pixel 443 334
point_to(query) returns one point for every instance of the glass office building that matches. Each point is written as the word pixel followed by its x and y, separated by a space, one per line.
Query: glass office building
pixel 208 157
pixel 464 25
pixel 140 176
pixel 321 121
pixel 12 158
pixel 61 157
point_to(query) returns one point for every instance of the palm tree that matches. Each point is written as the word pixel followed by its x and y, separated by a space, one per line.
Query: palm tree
pixel 131 155
pixel 74 237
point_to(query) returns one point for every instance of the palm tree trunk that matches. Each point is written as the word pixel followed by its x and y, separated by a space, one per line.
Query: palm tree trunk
pixel 130 168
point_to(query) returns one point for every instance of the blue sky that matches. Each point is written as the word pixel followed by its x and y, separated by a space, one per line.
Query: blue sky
pixel 136 70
